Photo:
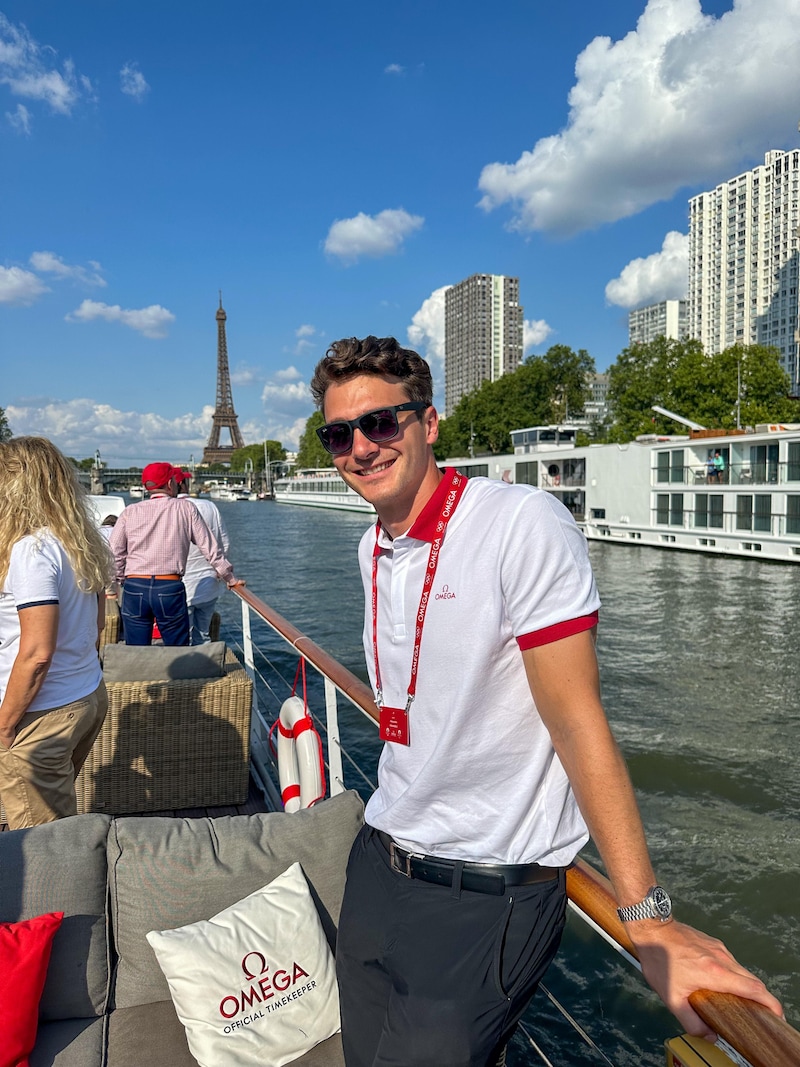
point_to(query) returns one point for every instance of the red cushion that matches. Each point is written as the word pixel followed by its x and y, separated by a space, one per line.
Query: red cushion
pixel 24 956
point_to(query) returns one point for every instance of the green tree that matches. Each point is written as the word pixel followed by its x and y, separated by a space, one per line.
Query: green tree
pixel 677 376
pixel 311 453
pixel 5 429
pixel 255 453
pixel 542 390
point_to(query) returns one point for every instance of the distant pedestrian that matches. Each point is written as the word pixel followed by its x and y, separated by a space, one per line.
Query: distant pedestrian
pixel 200 579
pixel 150 543
pixel 711 470
pixel 719 466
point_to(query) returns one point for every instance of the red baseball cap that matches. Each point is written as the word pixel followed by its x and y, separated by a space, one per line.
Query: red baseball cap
pixel 157 475
pixel 180 475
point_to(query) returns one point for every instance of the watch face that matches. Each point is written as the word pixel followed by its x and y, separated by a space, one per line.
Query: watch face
pixel 661 902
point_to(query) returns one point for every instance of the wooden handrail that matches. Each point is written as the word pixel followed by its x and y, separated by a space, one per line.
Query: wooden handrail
pixel 758 1035
pixel 352 687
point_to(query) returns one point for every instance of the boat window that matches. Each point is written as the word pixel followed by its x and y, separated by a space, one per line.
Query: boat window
pixel 662 508
pixel 744 512
pixel 527 473
pixel 701 510
pixel 676 466
pixel 793 466
pixel 762 512
pixel 676 509
pixel 600 513
pixel 715 513
pixel 793 514
pixel 662 467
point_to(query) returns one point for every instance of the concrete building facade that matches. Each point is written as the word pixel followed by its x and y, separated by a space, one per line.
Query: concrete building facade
pixel 743 261
pixel 666 319
pixel 483 333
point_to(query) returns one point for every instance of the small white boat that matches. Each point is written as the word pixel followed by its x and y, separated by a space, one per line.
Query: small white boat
pixel 320 487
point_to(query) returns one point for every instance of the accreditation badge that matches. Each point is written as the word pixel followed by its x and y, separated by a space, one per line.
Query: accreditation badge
pixel 394 725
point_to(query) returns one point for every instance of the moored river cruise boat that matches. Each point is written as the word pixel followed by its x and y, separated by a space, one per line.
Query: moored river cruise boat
pixel 730 492
pixel 320 488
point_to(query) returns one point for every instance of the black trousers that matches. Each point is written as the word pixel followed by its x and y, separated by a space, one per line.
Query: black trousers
pixel 433 976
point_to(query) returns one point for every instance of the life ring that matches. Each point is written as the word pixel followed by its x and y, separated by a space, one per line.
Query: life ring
pixel 301 771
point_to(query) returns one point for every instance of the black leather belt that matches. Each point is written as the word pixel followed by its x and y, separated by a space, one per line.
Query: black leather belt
pixel 475 877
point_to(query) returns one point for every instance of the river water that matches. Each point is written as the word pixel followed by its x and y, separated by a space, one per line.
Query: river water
pixel 701 681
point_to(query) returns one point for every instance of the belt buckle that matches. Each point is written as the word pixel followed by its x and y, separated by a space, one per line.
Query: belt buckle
pixel 400 860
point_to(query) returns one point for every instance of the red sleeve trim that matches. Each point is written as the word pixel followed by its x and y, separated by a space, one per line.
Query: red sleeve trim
pixel 558 631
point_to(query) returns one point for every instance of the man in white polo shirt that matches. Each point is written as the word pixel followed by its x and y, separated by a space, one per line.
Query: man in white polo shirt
pixel 498 762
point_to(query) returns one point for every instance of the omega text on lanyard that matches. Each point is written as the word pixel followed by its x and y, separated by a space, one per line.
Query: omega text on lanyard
pixel 394 721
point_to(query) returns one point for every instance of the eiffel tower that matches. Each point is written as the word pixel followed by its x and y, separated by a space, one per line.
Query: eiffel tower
pixel 224 415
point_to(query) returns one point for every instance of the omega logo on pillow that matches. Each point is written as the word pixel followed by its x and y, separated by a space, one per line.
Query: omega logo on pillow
pixel 264 987
pixel 255 984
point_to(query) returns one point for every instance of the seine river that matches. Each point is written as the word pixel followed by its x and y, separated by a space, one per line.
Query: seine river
pixel 700 661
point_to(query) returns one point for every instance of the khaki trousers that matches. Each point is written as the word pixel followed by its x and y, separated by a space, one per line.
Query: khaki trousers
pixel 38 772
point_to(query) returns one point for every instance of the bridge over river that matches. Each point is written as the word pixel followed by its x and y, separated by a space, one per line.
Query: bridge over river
pixel 102 480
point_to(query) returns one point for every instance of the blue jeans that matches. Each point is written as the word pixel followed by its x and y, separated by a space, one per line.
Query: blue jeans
pixel 145 600
pixel 200 621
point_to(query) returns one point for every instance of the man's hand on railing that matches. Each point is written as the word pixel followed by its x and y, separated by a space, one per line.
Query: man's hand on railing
pixel 677 960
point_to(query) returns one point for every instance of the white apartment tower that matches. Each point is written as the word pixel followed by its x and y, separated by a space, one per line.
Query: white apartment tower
pixel 743 261
pixel 482 334
pixel 666 319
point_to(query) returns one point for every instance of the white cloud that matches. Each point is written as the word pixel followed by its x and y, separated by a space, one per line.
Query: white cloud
pixel 641 110
pixel 50 263
pixel 151 321
pixel 20 119
pixel 20 287
pixel 132 82
pixel 243 374
pixel 662 276
pixel 124 438
pixel 28 70
pixel 426 332
pixel 394 68
pixel 288 374
pixel 534 333
pixel 368 235
pixel 303 334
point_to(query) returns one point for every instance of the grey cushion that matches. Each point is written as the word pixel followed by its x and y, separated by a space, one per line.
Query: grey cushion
pixel 160 663
pixel 71 1043
pixel 61 866
pixel 165 873
pixel 153 1034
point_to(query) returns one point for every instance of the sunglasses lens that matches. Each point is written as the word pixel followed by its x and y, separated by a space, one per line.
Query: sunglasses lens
pixel 337 437
pixel 379 426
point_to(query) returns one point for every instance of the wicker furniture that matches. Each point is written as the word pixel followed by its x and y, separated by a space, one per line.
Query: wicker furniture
pixel 171 745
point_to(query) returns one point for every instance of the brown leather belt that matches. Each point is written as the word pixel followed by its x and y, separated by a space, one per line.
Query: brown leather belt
pixel 476 877
pixel 157 577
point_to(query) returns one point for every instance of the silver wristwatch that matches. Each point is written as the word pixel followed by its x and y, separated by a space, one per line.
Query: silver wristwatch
pixel 656 905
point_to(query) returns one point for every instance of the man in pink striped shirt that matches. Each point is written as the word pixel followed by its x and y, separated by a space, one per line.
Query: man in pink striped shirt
pixel 150 544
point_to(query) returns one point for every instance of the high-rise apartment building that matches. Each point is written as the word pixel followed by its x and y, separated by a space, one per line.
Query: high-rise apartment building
pixel 743 261
pixel 482 334
pixel 667 319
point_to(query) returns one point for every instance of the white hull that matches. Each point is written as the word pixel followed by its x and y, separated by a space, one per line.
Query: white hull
pixel 658 492
pixel 320 489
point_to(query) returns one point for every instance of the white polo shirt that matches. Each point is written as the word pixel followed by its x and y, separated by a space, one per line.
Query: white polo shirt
pixel 40 573
pixel 480 780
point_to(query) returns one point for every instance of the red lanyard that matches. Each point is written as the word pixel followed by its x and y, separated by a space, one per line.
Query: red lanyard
pixel 455 489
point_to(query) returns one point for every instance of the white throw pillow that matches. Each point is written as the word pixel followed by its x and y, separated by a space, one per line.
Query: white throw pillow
pixel 255 984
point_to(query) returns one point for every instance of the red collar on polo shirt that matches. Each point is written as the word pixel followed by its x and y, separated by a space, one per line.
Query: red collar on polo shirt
pixel 424 527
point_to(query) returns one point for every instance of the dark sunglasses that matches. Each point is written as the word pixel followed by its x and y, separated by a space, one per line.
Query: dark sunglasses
pixel 377 426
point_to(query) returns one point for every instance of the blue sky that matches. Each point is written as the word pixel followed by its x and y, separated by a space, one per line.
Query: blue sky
pixel 331 167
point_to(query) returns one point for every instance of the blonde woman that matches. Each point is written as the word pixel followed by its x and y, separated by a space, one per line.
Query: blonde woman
pixel 54 567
